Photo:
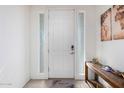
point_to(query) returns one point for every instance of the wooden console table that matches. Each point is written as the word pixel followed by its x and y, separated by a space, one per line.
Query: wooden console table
pixel 114 80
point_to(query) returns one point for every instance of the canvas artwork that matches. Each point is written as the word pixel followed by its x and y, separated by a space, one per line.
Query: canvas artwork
pixel 118 22
pixel 106 33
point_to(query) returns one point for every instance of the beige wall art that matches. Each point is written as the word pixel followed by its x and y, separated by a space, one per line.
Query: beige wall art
pixel 112 23
pixel 106 31
pixel 118 22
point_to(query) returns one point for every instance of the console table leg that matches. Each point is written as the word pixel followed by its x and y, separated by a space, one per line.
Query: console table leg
pixel 86 72
pixel 96 77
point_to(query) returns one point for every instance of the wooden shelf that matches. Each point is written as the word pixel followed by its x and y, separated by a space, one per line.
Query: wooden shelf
pixel 96 83
pixel 112 79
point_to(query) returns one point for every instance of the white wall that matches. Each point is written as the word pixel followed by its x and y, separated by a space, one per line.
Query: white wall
pixel 90 36
pixel 109 52
pixel 14 46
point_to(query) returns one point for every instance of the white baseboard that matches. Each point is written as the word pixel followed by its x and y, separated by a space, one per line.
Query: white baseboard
pixel 26 81
pixel 39 76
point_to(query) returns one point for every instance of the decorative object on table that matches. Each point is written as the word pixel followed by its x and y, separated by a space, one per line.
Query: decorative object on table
pixel 115 72
pixel 106 32
pixel 107 68
pixel 95 60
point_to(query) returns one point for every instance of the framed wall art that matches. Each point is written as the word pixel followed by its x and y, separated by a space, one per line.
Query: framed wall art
pixel 118 22
pixel 106 26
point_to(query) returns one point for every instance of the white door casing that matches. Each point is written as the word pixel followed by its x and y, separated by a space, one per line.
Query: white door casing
pixel 35 43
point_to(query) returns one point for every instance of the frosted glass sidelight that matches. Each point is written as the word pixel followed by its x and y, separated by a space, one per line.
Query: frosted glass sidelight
pixel 41 43
pixel 81 41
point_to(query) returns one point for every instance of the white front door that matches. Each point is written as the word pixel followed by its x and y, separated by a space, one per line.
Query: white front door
pixel 61 43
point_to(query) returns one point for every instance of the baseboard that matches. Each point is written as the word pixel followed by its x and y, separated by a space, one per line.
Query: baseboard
pixel 25 82
pixel 39 76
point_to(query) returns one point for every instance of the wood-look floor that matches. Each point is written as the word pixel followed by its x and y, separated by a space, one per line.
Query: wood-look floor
pixel 50 84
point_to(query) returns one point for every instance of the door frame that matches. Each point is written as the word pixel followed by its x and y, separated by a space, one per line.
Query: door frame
pixel 35 55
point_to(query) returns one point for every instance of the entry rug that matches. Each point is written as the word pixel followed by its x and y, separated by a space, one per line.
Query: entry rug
pixel 63 84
